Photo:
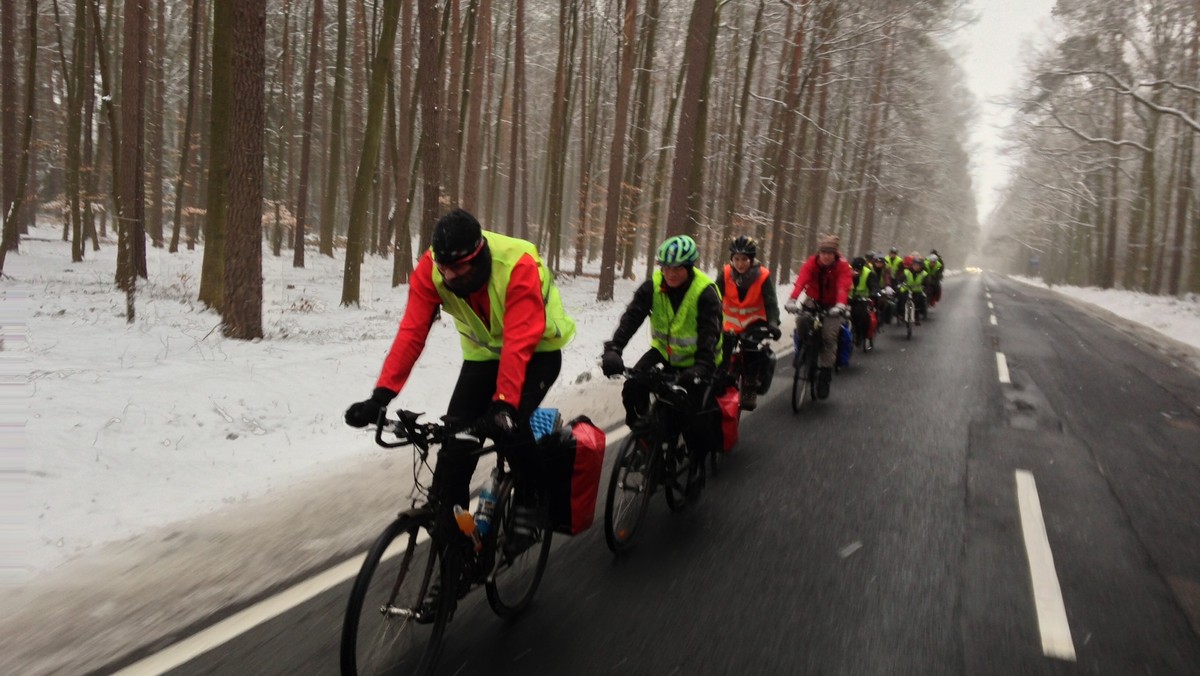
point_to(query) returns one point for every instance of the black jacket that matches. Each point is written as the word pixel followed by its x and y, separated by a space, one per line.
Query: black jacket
pixel 709 318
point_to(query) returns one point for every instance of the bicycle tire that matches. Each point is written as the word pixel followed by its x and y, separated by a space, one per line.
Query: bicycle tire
pixel 515 575
pixel 802 381
pixel 621 521
pixel 678 475
pixel 375 641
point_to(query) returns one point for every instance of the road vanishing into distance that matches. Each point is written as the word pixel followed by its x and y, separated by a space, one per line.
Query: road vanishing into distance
pixel 1015 490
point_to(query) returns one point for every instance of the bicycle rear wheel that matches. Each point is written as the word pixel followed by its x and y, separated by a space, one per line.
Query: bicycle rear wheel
pixel 386 629
pixel 517 565
pixel 629 490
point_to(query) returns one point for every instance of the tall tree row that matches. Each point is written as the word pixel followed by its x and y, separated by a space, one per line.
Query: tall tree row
pixel 1105 193
pixel 594 128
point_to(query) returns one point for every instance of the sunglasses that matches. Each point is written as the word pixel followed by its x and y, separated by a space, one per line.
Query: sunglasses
pixel 461 265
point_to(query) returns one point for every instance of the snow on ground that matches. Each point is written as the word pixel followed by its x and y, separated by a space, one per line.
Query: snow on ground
pixel 128 427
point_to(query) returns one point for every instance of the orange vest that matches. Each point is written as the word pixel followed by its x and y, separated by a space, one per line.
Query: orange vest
pixel 741 313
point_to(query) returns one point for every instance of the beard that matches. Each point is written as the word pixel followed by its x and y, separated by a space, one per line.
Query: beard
pixel 476 277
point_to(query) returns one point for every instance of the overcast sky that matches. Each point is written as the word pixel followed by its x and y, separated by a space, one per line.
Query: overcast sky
pixel 991 52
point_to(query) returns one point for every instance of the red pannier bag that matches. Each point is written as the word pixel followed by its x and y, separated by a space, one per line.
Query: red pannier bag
pixel 873 325
pixel 574 459
pixel 729 404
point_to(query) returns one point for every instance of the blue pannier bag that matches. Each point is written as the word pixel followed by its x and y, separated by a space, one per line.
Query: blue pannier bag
pixel 845 345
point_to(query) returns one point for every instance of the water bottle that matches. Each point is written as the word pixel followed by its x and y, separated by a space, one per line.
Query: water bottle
pixel 467 525
pixel 487 505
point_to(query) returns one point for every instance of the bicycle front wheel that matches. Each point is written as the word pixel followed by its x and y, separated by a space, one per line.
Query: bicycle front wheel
pixel 519 558
pixel 629 489
pixel 387 628
pixel 802 382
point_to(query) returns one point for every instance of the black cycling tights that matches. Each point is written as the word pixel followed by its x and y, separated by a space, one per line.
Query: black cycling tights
pixel 472 395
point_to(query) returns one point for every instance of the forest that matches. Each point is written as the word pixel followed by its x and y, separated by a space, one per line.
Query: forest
pixel 594 128
pixel 1103 191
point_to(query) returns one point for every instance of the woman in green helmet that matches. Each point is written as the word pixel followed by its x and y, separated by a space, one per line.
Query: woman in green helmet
pixel 684 306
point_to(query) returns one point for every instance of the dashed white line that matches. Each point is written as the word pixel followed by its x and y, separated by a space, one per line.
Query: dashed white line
pixel 1002 368
pixel 993 320
pixel 1047 595
pixel 990 306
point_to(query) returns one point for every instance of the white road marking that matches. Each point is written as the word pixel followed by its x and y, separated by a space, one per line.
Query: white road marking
pixel 990 306
pixel 1047 595
pixel 1002 368
pixel 993 320
pixel 235 625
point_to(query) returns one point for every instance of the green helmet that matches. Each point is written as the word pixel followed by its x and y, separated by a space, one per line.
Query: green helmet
pixel 678 250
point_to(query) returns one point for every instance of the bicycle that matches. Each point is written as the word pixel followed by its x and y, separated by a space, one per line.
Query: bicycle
pixel 910 313
pixel 808 342
pixel 392 623
pixel 653 456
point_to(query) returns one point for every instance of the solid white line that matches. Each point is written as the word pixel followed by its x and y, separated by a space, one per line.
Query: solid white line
pixel 993 320
pixel 197 644
pixel 235 625
pixel 1002 368
pixel 1047 595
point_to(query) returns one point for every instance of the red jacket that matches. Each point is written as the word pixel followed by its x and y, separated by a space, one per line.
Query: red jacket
pixel 826 285
pixel 523 302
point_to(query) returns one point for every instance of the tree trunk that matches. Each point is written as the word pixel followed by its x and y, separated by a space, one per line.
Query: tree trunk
pixel 8 108
pixel 241 311
pixel 154 217
pixel 212 274
pixel 131 209
pixel 310 78
pixel 369 157
pixel 616 160
pixel 185 139
pixel 682 217
pixel 334 166
pixel 429 82
pixel 8 240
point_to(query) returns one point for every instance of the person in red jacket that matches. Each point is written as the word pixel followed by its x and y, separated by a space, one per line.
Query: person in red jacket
pixel 512 327
pixel 825 279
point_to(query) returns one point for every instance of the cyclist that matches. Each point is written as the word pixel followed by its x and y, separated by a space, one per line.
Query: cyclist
pixel 684 306
pixel 884 293
pixel 481 279
pixel 748 303
pixel 825 278
pixel 866 285
pixel 894 262
pixel 936 267
pixel 913 282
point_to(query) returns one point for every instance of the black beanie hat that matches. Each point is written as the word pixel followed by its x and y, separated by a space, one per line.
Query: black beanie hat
pixel 456 236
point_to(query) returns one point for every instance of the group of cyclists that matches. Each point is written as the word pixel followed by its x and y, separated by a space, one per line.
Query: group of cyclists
pixel 512 327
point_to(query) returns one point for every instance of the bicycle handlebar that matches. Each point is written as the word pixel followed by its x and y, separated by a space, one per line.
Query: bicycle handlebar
pixel 409 432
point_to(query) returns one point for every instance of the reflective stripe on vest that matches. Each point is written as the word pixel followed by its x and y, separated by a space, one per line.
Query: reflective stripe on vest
pixel 483 342
pixel 674 333
pixel 741 313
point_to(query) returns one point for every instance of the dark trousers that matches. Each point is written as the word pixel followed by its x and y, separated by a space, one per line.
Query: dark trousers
pixel 701 426
pixel 472 395
pixel 754 362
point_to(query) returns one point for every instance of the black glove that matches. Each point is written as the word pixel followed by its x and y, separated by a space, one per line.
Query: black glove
pixel 363 413
pixel 775 331
pixel 500 421
pixel 611 363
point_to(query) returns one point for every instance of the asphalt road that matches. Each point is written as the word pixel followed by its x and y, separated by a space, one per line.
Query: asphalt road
pixel 879 532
